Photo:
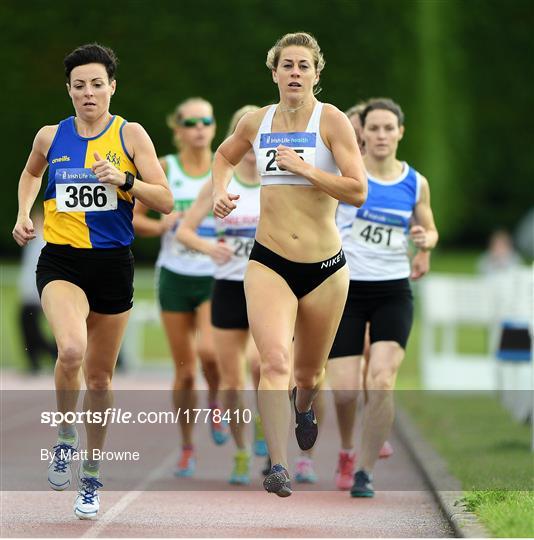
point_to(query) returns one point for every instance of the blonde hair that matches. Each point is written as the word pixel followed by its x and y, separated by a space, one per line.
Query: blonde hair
pixel 174 118
pixel 298 39
pixel 238 115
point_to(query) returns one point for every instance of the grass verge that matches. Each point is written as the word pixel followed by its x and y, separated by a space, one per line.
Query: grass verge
pixel 486 450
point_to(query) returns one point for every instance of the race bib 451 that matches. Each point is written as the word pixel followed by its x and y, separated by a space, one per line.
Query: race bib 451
pixel 78 190
pixel 303 143
pixel 377 229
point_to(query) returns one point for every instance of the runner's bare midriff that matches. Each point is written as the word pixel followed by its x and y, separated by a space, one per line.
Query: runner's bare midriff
pixel 298 223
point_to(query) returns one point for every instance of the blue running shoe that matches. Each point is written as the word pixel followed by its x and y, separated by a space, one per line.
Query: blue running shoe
pixel 187 464
pixel 220 431
pixel 277 481
pixel 363 485
pixel 306 429
pixel 260 446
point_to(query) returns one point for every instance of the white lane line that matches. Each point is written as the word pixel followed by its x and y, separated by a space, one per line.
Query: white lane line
pixel 129 498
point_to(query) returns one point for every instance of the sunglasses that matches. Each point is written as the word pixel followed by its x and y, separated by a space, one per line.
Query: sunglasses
pixel 193 122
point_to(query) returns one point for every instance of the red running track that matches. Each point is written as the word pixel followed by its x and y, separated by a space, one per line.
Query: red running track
pixel 160 505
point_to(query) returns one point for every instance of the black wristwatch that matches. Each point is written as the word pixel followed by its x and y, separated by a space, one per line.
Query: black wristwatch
pixel 129 182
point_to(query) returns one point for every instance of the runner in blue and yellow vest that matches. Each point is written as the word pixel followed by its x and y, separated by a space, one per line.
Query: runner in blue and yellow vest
pixel 85 271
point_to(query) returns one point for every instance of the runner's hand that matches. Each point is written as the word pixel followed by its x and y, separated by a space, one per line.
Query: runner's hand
pixel 221 253
pixel 420 265
pixel 222 204
pixel 107 173
pixel 23 231
pixel 288 159
pixel 168 221
pixel 419 236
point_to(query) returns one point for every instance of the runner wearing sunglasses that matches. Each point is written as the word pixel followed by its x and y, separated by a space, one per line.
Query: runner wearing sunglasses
pixel 233 341
pixel 185 276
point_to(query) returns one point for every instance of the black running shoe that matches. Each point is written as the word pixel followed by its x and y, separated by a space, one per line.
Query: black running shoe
pixel 306 429
pixel 267 467
pixel 277 481
pixel 363 485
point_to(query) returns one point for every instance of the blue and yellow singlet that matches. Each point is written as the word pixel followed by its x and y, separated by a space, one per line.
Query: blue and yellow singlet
pixel 79 210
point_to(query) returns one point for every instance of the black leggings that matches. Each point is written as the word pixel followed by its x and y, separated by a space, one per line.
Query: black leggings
pixel 302 278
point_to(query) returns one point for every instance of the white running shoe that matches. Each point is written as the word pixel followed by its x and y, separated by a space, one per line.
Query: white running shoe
pixel 59 472
pixel 87 501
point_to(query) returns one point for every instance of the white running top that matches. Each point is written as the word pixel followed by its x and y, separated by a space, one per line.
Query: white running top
pixel 308 144
pixel 375 236
pixel 173 255
pixel 238 229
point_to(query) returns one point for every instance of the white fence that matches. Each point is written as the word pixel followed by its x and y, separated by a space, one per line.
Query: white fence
pixel 495 303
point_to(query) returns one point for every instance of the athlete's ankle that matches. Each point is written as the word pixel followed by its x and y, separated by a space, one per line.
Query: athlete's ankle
pixel 67 433
pixel 91 467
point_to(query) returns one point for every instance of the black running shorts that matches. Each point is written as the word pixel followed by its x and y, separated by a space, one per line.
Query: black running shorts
pixel 388 308
pixel 228 305
pixel 104 275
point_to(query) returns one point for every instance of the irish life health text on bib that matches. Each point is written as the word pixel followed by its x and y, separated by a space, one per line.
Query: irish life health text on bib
pixel 78 190
pixel 303 143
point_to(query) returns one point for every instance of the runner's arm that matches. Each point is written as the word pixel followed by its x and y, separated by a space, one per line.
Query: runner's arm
pixel 351 186
pixel 227 156
pixel 30 184
pixel 144 225
pixel 187 230
pixel 153 191
pixel 219 252
pixel 424 233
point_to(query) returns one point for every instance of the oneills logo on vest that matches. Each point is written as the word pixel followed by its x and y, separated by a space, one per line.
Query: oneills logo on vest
pixel 61 159
pixel 333 261
pixel 112 157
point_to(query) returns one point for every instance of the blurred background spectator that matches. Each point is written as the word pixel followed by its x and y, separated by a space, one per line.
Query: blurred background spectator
pixel 36 342
pixel 500 254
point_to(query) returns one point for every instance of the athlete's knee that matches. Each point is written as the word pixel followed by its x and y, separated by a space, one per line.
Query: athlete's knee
pixel 206 353
pixel 70 353
pixel 383 379
pixel 308 377
pixel 184 379
pixel 344 397
pixel 275 362
pixel 98 381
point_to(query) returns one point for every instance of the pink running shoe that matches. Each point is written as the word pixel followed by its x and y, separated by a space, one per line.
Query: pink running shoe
pixel 386 451
pixel 345 470
pixel 304 473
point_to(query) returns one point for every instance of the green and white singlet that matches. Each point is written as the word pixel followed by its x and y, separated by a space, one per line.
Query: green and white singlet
pixel 173 255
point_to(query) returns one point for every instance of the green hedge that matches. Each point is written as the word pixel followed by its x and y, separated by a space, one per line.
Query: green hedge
pixel 457 67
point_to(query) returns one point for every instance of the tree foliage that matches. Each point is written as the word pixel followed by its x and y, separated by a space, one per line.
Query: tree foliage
pixel 457 67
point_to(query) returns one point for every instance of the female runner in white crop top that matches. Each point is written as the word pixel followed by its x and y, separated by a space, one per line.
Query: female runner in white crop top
pixel 296 281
